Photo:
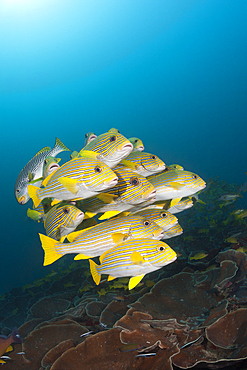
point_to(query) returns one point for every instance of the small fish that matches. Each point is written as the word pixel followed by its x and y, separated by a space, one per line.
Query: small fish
pixel 5 342
pixel 190 343
pixel 130 347
pixel 104 326
pixel 21 353
pixel 134 258
pixel 232 240
pixel 137 144
pixel 229 198
pixel 180 206
pixel 242 249
pixel 198 256
pixel 146 354
pixel 120 298
pixel 86 334
pixel 33 170
pixel 173 167
pixel 242 213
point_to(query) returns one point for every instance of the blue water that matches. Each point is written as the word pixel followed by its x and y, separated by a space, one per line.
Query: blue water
pixel 170 72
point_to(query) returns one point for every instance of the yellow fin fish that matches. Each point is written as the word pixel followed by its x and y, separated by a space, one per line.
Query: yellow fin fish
pixel 198 256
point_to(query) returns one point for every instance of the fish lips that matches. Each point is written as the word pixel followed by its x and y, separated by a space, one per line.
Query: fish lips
pixel 80 217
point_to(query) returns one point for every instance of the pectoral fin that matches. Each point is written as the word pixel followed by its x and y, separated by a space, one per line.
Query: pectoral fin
pixel 88 154
pixel 45 181
pixel 119 237
pixel 176 185
pixel 70 184
pixel 128 164
pixel 137 258
pixel 134 281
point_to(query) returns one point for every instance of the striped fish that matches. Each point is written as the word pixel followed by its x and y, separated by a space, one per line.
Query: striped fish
pixel 33 171
pixel 162 218
pixel 112 148
pixel 137 144
pixel 175 230
pixel 77 178
pixel 183 204
pixel 60 221
pixel 145 164
pixel 96 240
pixel 133 258
pixel 175 184
pixel 132 189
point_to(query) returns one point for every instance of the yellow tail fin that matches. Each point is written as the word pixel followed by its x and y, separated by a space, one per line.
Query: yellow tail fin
pixel 49 244
pixel 93 268
pixel 32 191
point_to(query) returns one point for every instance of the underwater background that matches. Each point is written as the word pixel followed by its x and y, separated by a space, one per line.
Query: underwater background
pixel 170 72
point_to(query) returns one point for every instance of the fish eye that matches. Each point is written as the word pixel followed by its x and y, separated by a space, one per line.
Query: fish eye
pixel 86 135
pixel 146 223
pixel 160 248
pixel 113 138
pixel 153 157
pixel 97 169
pixel 134 181
pixel 194 176
pixel 45 161
pixel 163 214
pixel 18 191
pixel 66 210
pixel 136 141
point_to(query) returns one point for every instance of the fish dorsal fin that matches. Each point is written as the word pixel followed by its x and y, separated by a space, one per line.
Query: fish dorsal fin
pixel 175 201
pixel 70 184
pixel 111 278
pixel 10 348
pixel 134 281
pixel 106 197
pixel 45 181
pixel 136 258
pixel 88 154
pixel 119 237
pixel 128 164
pixel 109 214
pixel 81 256
pixel 45 149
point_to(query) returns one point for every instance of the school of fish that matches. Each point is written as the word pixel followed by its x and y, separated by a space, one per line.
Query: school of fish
pixel 110 200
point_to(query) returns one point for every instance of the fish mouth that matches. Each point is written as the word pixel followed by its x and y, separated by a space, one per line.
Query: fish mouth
pixel 149 195
pixel 80 216
pixel 112 182
pixel 22 200
pixel 158 236
pixel 140 148
pixel 53 166
pixel 128 147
